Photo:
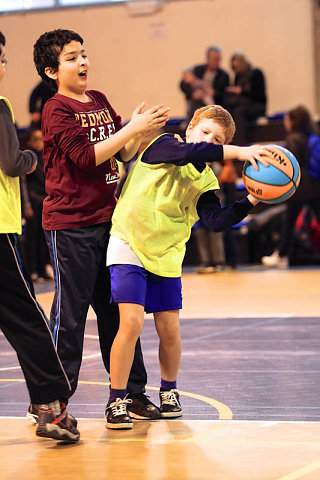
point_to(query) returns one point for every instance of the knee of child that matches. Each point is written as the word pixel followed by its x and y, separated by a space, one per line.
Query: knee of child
pixel 131 325
pixel 170 335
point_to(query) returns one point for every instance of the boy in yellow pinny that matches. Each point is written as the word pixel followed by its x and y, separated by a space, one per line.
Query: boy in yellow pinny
pixel 167 191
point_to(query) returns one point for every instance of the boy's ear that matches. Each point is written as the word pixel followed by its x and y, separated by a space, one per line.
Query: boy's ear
pixel 51 73
pixel 189 128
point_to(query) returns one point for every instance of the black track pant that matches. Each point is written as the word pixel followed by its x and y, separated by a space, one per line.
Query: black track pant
pixel 25 326
pixel 78 256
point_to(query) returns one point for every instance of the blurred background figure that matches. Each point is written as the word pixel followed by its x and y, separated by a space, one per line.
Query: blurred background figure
pixel 218 249
pixel 227 180
pixel 299 125
pixel 246 99
pixel 205 84
pixel 39 95
pixel 210 249
pixel 33 194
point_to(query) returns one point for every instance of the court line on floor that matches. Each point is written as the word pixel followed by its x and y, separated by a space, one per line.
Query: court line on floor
pixel 200 437
pixel 206 320
pixel 225 413
pixel 233 329
pixel 301 472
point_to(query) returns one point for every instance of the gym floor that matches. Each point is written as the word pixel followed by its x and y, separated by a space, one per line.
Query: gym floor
pixel 248 384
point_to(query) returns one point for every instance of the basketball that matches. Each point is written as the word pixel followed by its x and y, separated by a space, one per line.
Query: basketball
pixel 277 182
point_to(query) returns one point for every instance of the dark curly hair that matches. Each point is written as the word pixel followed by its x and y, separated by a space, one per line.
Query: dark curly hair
pixel 47 49
pixel 2 41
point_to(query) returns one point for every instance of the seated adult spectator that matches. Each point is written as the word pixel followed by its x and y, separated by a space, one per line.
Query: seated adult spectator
pixel 246 100
pixel 39 95
pixel 205 84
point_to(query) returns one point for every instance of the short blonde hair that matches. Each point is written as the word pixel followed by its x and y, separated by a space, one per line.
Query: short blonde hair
pixel 219 115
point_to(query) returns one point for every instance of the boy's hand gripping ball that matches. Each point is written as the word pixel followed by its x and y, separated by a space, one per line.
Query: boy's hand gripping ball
pixel 277 182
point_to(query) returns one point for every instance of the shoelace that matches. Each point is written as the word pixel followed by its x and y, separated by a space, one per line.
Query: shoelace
pixel 119 406
pixel 169 398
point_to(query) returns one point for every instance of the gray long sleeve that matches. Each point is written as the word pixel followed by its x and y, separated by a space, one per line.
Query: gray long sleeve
pixel 13 161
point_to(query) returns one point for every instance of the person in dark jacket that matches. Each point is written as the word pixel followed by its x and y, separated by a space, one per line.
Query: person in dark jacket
pixel 246 100
pixel 298 124
pixel 205 84
pixel 38 97
pixel 33 194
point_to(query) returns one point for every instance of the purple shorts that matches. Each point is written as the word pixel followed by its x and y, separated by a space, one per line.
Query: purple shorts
pixel 133 284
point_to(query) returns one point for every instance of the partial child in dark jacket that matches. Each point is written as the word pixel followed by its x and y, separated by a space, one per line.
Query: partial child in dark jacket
pixel 22 320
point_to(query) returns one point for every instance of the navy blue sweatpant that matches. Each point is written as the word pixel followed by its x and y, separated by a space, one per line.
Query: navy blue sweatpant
pixel 78 256
pixel 25 325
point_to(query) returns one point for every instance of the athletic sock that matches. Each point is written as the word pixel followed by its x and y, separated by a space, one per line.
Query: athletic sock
pixel 114 394
pixel 166 385
pixel 54 406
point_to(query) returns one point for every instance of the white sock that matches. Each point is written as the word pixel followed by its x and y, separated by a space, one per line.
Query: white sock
pixel 54 406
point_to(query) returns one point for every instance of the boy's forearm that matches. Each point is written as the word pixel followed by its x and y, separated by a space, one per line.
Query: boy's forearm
pixel 110 146
pixel 228 216
pixel 253 154
pixel 230 152
pixel 129 150
pixel 219 218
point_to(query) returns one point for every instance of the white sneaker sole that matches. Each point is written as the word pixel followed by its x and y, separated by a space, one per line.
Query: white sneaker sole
pixel 119 426
pixel 33 419
pixel 140 417
pixel 171 414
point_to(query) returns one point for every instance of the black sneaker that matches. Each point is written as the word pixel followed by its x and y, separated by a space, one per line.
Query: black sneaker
pixel 117 416
pixel 33 413
pixel 58 427
pixel 141 408
pixel 170 405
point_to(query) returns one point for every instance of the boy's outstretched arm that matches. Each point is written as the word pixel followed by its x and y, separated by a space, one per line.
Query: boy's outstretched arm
pixel 128 139
pixel 169 148
pixel 252 154
pixel 219 218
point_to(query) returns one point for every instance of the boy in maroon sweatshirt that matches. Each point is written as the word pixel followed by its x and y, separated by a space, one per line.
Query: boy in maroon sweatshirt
pixel 82 135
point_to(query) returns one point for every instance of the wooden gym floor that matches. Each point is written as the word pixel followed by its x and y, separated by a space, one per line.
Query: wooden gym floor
pixel 249 385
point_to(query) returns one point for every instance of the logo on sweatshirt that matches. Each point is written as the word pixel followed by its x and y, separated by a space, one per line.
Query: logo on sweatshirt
pixel 112 177
pixel 113 163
